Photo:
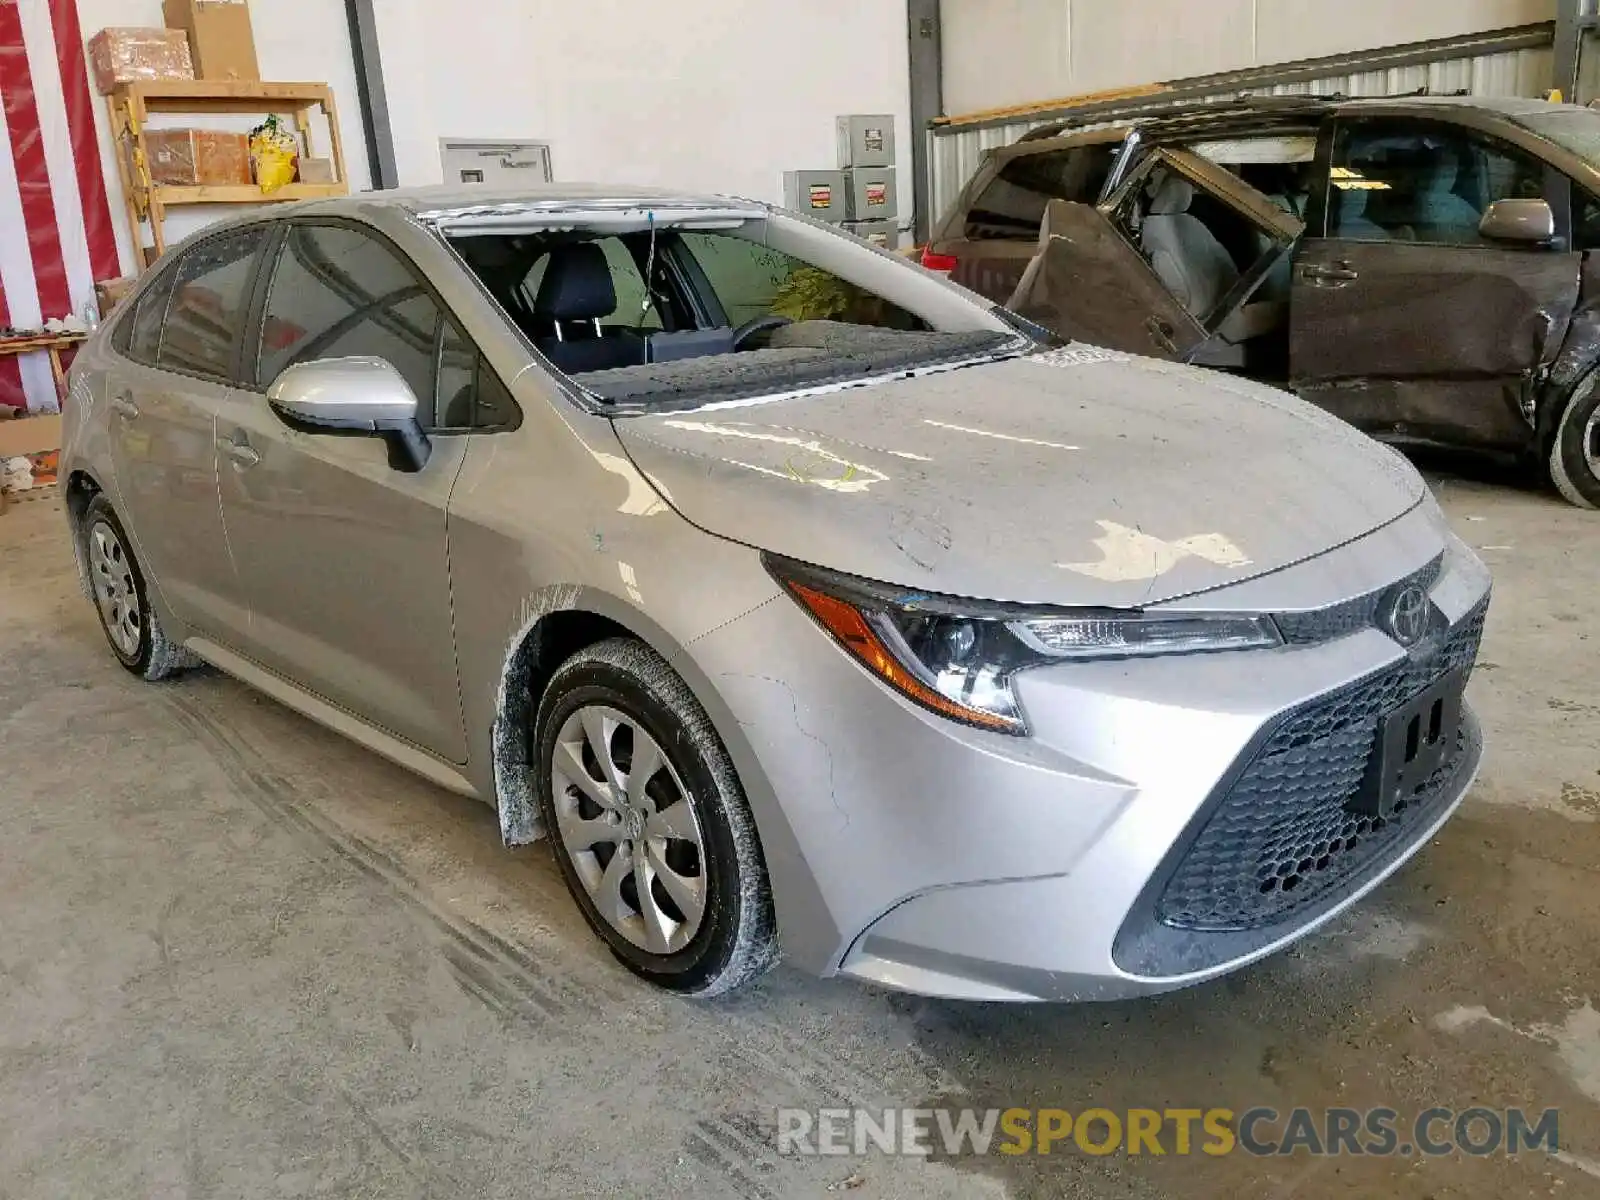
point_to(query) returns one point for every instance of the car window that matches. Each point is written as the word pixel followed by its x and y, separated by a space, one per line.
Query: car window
pixel 746 278
pixel 1585 221
pixel 1013 204
pixel 140 336
pixel 1422 182
pixel 751 280
pixel 338 292
pixel 470 394
pixel 210 293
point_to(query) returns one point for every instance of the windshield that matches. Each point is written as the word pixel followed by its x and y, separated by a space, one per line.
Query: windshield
pixel 680 314
pixel 1576 130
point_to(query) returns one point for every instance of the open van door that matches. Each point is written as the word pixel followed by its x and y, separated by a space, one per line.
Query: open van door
pixel 1144 272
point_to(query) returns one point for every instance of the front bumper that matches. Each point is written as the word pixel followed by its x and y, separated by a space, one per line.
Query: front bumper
pixel 954 862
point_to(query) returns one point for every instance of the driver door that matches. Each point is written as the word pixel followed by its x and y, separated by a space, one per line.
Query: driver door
pixel 342 558
pixel 1091 280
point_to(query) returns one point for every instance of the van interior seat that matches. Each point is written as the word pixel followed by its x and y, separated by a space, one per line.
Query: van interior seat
pixel 1187 257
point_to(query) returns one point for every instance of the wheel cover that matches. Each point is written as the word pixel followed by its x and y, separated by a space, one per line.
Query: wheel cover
pixel 111 574
pixel 1591 444
pixel 628 828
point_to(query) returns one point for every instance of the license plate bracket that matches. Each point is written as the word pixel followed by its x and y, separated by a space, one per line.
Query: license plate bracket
pixel 1414 740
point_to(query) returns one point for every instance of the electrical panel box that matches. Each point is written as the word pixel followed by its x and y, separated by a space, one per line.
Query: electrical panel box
pixel 473 161
pixel 872 195
pixel 823 195
pixel 866 141
pixel 880 233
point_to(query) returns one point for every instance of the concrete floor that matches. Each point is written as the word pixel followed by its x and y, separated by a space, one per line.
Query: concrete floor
pixel 240 957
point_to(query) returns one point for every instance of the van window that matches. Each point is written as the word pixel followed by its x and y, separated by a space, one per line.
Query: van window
pixel 1416 181
pixel 1013 205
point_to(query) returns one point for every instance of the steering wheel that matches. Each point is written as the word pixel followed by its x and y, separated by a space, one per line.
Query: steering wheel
pixel 757 325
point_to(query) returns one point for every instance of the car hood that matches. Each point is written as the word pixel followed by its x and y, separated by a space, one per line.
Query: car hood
pixel 1074 477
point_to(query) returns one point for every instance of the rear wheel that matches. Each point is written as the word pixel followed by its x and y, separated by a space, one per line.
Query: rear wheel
pixel 131 626
pixel 649 824
pixel 1575 449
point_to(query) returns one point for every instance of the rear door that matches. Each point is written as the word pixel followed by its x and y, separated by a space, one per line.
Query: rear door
pixel 179 361
pixel 1090 280
pixel 1407 322
pixel 342 557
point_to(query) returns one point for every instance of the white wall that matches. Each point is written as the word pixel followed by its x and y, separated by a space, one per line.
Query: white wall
pixel 297 41
pixel 1004 52
pixel 715 95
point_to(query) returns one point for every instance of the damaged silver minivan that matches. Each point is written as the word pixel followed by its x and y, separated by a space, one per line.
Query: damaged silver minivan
pixel 801 598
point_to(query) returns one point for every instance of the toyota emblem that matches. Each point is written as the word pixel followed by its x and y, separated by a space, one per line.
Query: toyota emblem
pixel 1406 615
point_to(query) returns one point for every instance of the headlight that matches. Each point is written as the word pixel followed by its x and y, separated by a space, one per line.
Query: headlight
pixel 957 657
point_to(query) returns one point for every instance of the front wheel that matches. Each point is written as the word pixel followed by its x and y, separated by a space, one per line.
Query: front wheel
pixel 1575 449
pixel 648 822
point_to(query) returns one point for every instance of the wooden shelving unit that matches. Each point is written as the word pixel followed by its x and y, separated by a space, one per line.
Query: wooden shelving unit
pixel 132 105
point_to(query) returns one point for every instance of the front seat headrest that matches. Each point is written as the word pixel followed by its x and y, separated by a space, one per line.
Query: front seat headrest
pixel 1171 197
pixel 576 285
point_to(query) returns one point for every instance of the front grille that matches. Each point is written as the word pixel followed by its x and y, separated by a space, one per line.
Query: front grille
pixel 1350 616
pixel 1281 838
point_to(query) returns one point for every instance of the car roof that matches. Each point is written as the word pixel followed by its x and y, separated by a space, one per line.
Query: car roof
pixel 443 200
pixel 445 197
pixel 1199 116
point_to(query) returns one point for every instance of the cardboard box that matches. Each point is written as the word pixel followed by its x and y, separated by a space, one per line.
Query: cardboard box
pixel 27 436
pixel 221 40
pixel 316 170
pixel 118 56
pixel 109 293
pixel 188 157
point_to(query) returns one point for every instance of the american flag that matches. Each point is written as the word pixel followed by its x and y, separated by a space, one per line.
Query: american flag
pixel 56 235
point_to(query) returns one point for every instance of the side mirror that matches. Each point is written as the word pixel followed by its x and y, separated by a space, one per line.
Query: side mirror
pixel 1527 221
pixel 365 397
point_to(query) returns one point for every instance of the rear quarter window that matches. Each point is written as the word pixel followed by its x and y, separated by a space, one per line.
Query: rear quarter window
pixel 1013 205
pixel 210 296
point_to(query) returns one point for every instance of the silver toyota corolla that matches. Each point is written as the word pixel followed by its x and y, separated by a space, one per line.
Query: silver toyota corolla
pixel 800 596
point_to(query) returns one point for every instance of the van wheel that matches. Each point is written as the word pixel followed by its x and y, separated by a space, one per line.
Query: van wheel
pixel 1575 449
pixel 649 824
pixel 131 626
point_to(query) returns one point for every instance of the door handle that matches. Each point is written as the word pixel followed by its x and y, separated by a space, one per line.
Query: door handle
pixel 241 452
pixel 123 405
pixel 1329 274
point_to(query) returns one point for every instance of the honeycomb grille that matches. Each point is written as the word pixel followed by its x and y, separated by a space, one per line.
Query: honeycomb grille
pixel 1281 837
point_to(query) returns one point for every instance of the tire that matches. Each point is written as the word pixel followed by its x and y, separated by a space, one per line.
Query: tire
pixel 1574 455
pixel 677 830
pixel 132 629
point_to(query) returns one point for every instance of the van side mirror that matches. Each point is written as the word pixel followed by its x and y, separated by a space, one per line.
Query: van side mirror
pixel 365 397
pixel 1529 222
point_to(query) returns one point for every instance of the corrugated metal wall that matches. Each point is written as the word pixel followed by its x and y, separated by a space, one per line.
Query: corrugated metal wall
pixel 954 151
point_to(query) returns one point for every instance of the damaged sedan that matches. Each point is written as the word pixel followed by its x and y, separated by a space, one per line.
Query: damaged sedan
pixel 1427 268
pixel 802 600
